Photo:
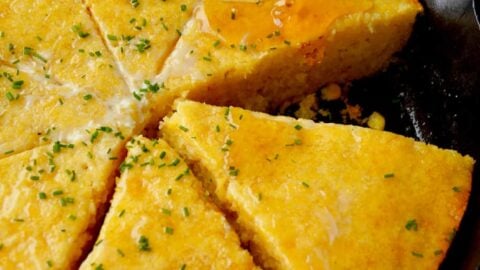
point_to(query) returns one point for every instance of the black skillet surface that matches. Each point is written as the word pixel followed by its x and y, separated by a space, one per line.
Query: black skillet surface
pixel 432 93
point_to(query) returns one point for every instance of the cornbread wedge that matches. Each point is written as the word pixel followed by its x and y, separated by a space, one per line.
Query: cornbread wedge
pixel 257 54
pixel 160 219
pixel 57 39
pixel 50 199
pixel 141 34
pixel 35 111
pixel 325 196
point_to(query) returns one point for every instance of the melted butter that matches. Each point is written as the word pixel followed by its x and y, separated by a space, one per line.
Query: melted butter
pixel 269 23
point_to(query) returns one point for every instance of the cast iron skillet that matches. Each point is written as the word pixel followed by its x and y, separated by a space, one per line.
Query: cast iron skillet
pixel 432 93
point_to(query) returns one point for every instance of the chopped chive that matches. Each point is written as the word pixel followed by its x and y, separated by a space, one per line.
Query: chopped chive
pixel 120 252
pixel 389 175
pixel 180 176
pixel 143 244
pixel 143 45
pixel 184 129
pixel 10 96
pixel 42 195
pixel 66 201
pixel 163 154
pixel 234 171
pixel 175 162
pixel 17 85
pixel 135 3
pixel 411 225
pixel 456 189
pixel 57 192
pixel 72 174
pixel 416 254
pixel 112 37
pixel 183 7
pixel 186 212
pixel 121 213
pixel 77 29
pixel 137 96
pixel 305 184
pixel 166 212
pixel 169 230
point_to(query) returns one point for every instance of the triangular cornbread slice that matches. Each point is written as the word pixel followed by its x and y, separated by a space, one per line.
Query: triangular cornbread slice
pixel 35 111
pixel 141 34
pixel 258 54
pixel 50 200
pixel 58 39
pixel 160 218
pixel 326 196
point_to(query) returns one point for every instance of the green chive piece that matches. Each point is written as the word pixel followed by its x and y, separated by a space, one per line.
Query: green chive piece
pixel 411 225
pixel 143 244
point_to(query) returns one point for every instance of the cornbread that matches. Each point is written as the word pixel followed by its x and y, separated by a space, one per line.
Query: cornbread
pixel 50 199
pixel 325 196
pixel 160 218
pixel 78 78
pixel 258 55
pixel 58 82
pixel 141 34
pixel 58 40
pixel 34 111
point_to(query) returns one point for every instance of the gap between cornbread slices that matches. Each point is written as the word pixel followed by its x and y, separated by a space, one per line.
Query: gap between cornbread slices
pixel 322 195
pixel 51 198
pixel 160 218
pixel 220 67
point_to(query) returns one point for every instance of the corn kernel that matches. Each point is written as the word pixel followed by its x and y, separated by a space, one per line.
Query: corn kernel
pixel 376 121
